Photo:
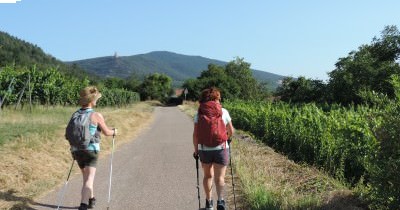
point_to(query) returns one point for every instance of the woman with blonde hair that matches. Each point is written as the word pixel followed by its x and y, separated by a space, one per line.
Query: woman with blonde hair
pixel 213 149
pixel 87 156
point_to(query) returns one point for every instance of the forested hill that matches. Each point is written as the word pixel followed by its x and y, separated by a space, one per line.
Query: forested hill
pixel 179 67
pixel 19 53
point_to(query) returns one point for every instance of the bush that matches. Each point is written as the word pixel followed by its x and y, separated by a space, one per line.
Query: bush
pixel 384 163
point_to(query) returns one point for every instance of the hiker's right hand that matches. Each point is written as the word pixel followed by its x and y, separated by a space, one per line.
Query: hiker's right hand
pixel 196 155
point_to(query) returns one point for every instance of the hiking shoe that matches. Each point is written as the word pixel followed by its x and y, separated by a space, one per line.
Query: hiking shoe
pixel 92 203
pixel 221 205
pixel 209 204
pixel 83 206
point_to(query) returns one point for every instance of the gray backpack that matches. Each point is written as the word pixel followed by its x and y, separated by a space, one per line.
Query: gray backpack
pixel 77 131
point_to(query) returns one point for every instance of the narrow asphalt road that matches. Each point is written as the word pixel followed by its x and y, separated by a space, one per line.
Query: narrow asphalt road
pixel 155 171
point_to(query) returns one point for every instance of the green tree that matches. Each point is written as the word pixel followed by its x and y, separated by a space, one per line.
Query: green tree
pixel 383 167
pixel 155 87
pixel 113 82
pixel 192 85
pixel 235 80
pixel 368 69
pixel 302 90
pixel 240 72
pixel 214 76
pixel 133 82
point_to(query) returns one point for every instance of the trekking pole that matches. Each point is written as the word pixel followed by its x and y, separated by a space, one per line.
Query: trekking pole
pixel 65 186
pixel 109 186
pixel 196 156
pixel 230 163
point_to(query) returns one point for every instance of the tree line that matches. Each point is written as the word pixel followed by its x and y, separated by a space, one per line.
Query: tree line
pixel 357 77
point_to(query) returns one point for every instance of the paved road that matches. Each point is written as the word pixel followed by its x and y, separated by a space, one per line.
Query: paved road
pixel 155 171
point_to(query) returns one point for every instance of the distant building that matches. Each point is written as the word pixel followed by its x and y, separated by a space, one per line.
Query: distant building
pixel 178 92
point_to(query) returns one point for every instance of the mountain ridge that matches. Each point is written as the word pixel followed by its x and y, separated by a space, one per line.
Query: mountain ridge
pixel 17 52
pixel 178 66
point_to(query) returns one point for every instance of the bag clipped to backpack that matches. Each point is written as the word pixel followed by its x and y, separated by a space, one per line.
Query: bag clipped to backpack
pixel 211 128
pixel 77 132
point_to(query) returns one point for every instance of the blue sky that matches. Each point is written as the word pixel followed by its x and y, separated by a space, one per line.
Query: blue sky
pixel 287 37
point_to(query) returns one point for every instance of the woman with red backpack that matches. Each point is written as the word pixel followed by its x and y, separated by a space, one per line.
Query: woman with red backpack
pixel 212 129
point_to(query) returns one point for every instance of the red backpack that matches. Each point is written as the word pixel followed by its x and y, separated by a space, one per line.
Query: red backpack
pixel 211 129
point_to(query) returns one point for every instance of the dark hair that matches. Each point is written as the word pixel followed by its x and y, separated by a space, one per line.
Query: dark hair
pixel 210 94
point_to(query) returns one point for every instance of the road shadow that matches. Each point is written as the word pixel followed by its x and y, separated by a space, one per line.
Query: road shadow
pixel 27 203
pixel 52 206
pixel 20 202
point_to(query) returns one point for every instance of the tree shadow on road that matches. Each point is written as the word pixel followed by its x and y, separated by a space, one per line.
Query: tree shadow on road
pixel 20 202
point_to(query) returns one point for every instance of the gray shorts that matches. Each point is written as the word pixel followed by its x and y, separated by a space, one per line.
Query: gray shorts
pixel 215 156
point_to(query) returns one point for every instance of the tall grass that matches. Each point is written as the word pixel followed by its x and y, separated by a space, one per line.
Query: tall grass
pixel 359 145
pixel 15 124
pixel 338 140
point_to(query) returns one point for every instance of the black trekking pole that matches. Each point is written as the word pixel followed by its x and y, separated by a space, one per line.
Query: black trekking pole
pixel 111 160
pixel 230 163
pixel 60 199
pixel 196 156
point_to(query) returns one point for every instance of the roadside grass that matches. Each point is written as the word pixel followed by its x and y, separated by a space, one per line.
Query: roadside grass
pixel 35 154
pixel 16 124
pixel 265 179
pixel 271 181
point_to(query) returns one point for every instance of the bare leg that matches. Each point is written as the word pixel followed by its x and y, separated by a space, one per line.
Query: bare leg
pixel 219 171
pixel 207 179
pixel 87 187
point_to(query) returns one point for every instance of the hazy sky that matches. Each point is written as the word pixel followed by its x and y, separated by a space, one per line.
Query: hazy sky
pixel 291 38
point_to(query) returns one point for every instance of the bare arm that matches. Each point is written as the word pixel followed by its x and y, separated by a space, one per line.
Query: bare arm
pixel 98 119
pixel 230 129
pixel 195 140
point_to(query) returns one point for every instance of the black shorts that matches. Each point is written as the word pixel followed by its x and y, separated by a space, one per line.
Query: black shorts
pixel 86 158
pixel 215 156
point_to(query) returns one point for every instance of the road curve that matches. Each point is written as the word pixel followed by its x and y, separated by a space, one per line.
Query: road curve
pixel 155 171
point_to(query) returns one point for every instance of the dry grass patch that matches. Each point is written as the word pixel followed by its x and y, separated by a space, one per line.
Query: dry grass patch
pixel 190 108
pixel 271 181
pixel 34 161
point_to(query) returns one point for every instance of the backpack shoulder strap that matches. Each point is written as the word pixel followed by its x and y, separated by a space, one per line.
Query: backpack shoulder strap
pixel 88 115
